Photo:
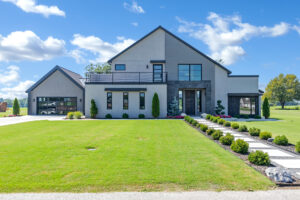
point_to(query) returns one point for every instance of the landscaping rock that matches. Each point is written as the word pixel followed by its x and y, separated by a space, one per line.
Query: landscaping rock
pixel 279 174
pixel 270 139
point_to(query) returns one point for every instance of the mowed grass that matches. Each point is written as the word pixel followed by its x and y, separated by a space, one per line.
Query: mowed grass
pixel 288 124
pixel 9 111
pixel 130 155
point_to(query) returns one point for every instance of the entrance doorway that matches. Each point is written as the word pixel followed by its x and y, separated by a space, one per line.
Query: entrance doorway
pixel 190 102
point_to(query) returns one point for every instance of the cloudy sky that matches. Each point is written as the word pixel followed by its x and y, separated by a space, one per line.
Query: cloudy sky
pixel 251 37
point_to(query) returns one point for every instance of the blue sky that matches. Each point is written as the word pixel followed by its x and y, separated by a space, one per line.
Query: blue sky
pixel 251 37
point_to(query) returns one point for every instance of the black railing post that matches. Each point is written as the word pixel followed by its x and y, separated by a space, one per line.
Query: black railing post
pixel 139 77
pixel 112 77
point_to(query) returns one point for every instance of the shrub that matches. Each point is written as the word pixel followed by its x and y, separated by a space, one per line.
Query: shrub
pixel 70 115
pixel 239 146
pixel 265 135
pixel 281 140
pixel 187 118
pixel 221 121
pixel 215 120
pixel 210 131
pixel 235 125
pixel 211 118
pixel 155 105
pixel 208 116
pixel 93 109
pixel 227 124
pixel 227 139
pixel 257 117
pixel 266 108
pixel 254 131
pixel 108 116
pixel 297 147
pixel 243 128
pixel 259 158
pixel 125 116
pixel 217 134
pixel 141 116
pixel 203 127
pixel 78 115
pixel 219 109
pixel 194 123
pixel 199 125
pixel 16 107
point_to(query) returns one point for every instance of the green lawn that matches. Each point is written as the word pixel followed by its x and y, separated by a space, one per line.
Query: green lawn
pixel 288 125
pixel 131 155
pixel 23 111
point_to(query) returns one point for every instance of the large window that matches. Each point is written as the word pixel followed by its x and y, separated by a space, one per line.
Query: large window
pixel 190 72
pixel 180 101
pixel 125 100
pixel 56 105
pixel 142 100
pixel 247 106
pixel 109 101
pixel 157 73
pixel 120 67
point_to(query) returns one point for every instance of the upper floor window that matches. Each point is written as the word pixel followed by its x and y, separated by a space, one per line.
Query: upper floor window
pixel 189 72
pixel 120 67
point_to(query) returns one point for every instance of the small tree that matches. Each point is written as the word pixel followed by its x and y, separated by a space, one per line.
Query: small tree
pixel 266 108
pixel 16 107
pixel 93 109
pixel 219 109
pixel 174 107
pixel 155 105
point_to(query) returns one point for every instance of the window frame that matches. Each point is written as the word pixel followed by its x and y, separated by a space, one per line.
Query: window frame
pixel 120 65
pixel 189 65
pixel 127 95
pixel 160 73
pixel 142 108
pixel 107 107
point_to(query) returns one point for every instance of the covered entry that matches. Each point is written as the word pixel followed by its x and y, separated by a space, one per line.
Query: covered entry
pixel 191 101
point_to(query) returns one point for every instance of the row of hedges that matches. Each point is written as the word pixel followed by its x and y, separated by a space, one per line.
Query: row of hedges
pixel 238 146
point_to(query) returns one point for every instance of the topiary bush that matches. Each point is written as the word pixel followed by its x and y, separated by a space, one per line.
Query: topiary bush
pixel 259 158
pixel 194 123
pixel 235 125
pixel 217 134
pixel 125 116
pixel 297 147
pixel 155 106
pixel 281 140
pixel 210 131
pixel 211 118
pixel 243 128
pixel 254 131
pixel 108 116
pixel 16 107
pixel 78 115
pixel 266 108
pixel 227 124
pixel 215 120
pixel 93 109
pixel 227 139
pixel 70 115
pixel 203 127
pixel 265 135
pixel 221 121
pixel 141 116
pixel 208 116
pixel 239 146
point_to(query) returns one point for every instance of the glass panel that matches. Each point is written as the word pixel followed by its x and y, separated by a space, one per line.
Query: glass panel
pixel 199 101
pixel 109 100
pixel 120 67
pixel 253 106
pixel 195 72
pixel 183 72
pixel 56 105
pixel 125 100
pixel 157 73
pixel 180 101
pixel 142 100
pixel 245 106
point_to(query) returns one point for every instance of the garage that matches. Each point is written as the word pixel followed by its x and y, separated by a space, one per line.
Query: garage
pixel 56 105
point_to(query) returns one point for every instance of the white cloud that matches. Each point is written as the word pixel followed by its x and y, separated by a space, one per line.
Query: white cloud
pixel 26 45
pixel 103 50
pixel 133 7
pixel 30 6
pixel 78 56
pixel 224 35
pixel 134 24
pixel 9 75
pixel 17 91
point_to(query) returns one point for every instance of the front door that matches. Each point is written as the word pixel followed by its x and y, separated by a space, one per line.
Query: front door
pixel 190 102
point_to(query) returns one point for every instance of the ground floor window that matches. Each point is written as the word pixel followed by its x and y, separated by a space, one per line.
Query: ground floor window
pixel 56 105
pixel 247 106
pixel 125 100
pixel 180 102
pixel 199 108
pixel 109 101
pixel 142 100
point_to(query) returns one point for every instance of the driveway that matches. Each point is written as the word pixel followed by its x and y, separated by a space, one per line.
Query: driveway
pixel 27 118
pixel 226 195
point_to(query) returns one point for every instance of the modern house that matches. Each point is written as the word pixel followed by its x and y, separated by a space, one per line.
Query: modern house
pixel 159 62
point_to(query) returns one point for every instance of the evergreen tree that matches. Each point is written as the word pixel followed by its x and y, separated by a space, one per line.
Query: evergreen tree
pixel 219 109
pixel 155 106
pixel 173 107
pixel 93 109
pixel 266 108
pixel 16 107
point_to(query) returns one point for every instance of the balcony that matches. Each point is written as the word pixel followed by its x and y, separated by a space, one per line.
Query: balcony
pixel 126 77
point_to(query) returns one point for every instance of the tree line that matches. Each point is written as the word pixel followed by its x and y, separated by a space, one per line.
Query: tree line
pixel 22 102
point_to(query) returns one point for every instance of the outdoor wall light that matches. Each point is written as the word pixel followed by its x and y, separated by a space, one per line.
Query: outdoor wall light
pixel 33 100
pixel 147 66
pixel 80 100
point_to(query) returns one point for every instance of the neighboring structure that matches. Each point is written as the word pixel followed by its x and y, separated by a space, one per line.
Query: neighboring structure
pixel 3 106
pixel 163 63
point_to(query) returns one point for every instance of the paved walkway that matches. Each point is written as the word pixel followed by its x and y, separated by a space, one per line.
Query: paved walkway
pixel 27 118
pixel 278 157
pixel 226 195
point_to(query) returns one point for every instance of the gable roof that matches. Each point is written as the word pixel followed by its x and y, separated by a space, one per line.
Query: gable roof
pixel 179 39
pixel 74 77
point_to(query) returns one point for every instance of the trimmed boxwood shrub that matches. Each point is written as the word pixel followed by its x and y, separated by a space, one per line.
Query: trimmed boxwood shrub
pixel 108 116
pixel 125 116
pixel 265 135
pixel 70 115
pixel 78 115
pixel 240 146
pixel 215 120
pixel 210 131
pixel 259 158
pixel 194 123
pixel 297 147
pixel 235 125
pixel 217 134
pixel 141 116
pixel 203 127
pixel 243 128
pixel 227 124
pixel 211 118
pixel 221 121
pixel 254 131
pixel 227 139
pixel 281 140
pixel 208 116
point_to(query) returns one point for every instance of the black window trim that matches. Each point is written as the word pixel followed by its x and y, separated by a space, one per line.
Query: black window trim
pixel 120 69
pixel 144 100
pixel 107 101
pixel 190 70
pixel 124 100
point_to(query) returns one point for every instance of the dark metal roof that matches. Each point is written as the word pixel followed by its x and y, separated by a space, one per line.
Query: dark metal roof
pixel 157 61
pixel 243 75
pixel 243 94
pixel 179 39
pixel 125 89
pixel 74 77
pixel 261 91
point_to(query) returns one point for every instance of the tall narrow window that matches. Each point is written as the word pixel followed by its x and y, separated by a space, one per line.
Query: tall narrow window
pixel 184 72
pixel 180 102
pixel 109 101
pixel 142 100
pixel 157 73
pixel 199 108
pixel 125 100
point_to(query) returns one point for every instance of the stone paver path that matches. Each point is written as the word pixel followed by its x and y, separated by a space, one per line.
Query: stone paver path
pixel 278 157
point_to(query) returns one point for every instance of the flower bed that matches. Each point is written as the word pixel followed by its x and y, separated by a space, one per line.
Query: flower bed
pixel 175 117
